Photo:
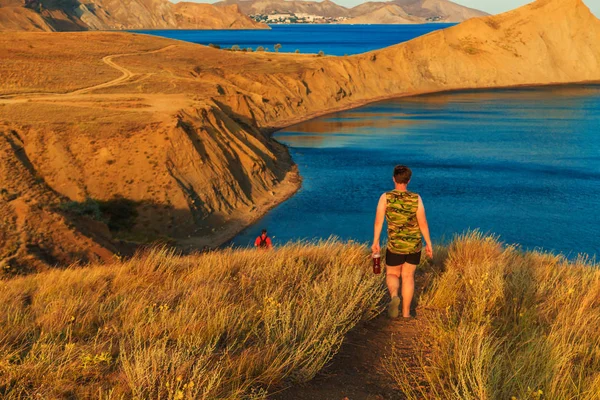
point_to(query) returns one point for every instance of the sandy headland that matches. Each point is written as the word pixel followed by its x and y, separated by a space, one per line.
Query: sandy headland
pixel 183 131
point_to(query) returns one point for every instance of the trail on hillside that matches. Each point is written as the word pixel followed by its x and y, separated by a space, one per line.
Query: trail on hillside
pixel 108 60
pixel 358 370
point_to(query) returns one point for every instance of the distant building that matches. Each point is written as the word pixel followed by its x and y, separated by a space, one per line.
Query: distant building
pixel 282 18
pixel 308 17
pixel 291 18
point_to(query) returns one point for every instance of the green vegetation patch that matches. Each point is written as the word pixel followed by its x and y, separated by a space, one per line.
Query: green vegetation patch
pixel 118 213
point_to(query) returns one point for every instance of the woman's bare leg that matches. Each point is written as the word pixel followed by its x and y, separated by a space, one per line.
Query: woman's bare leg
pixel 393 280
pixel 393 283
pixel 408 287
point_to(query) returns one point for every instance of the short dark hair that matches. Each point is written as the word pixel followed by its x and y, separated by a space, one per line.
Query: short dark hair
pixel 264 231
pixel 402 174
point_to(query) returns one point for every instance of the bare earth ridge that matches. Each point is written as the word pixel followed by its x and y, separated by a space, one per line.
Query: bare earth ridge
pixel 183 129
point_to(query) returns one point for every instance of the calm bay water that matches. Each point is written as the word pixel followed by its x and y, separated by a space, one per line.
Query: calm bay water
pixel 522 163
pixel 332 39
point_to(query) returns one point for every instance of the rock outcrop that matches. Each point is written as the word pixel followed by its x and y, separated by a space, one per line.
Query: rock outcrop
pixel 78 15
pixel 182 130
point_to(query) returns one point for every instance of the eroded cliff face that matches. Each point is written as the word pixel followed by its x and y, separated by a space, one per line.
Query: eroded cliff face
pixel 182 132
pixel 202 173
pixel 223 165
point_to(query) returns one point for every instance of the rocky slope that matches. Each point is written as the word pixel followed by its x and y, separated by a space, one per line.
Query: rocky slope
pixel 190 15
pixel 181 129
pixel 77 15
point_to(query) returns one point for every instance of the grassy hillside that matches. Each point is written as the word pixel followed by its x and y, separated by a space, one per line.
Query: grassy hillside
pixel 503 324
pixel 219 325
pixel 494 323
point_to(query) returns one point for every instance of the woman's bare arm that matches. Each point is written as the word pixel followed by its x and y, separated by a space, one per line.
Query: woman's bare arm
pixel 379 219
pixel 422 219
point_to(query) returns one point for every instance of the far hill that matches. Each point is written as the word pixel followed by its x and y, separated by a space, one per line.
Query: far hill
pixel 439 10
pixel 324 8
pixel 387 14
pixel 392 12
pixel 421 11
pixel 206 16
pixel 80 15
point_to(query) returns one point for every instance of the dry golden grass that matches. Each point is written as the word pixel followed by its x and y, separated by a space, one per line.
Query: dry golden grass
pixel 231 324
pixel 508 325
pixel 228 324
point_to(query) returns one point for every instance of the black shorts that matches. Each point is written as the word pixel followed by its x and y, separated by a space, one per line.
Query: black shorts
pixel 396 260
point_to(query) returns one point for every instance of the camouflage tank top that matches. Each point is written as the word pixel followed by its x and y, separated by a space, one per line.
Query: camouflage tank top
pixel 404 235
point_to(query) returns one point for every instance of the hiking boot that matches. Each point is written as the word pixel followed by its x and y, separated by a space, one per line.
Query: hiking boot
pixel 393 307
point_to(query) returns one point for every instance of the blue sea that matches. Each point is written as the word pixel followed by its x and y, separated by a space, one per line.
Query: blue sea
pixel 523 164
pixel 308 38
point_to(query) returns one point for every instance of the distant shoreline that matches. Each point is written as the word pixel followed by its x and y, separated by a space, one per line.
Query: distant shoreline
pixel 140 30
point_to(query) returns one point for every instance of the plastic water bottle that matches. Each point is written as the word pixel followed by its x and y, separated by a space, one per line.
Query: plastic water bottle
pixel 376 263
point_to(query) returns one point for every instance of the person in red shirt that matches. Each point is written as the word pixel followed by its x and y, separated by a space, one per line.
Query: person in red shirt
pixel 263 241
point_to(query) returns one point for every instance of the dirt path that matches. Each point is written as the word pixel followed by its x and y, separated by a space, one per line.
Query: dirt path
pixel 358 371
pixel 108 60
pixel 127 74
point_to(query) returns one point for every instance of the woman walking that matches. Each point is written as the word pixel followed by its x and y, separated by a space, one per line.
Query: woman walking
pixel 407 226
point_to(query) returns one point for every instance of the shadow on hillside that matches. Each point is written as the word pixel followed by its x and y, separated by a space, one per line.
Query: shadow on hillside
pixel 133 226
pixel 60 14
